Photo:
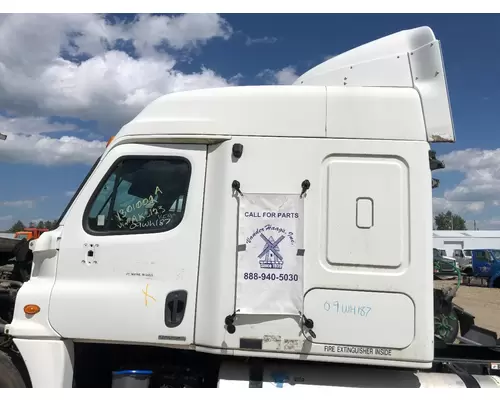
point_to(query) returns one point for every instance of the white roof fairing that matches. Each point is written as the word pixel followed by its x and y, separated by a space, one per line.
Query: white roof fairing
pixel 237 110
pixel 409 58
pixel 394 45
pixel 325 102
pixel 284 111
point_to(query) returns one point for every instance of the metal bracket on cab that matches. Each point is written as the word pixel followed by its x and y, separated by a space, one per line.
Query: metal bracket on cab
pixel 236 186
pixel 229 321
pixel 434 164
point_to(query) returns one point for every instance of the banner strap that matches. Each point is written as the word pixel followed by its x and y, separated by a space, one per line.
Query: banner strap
pixel 236 186
pixel 305 187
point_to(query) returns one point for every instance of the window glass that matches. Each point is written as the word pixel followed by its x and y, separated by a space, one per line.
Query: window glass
pixel 82 184
pixel 141 195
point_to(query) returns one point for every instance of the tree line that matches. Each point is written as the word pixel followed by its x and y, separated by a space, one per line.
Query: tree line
pixel 448 221
pixel 19 226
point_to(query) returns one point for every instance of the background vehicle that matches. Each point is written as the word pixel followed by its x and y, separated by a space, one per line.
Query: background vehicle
pixel 463 257
pixel 486 265
pixel 444 265
pixel 256 236
pixel 30 233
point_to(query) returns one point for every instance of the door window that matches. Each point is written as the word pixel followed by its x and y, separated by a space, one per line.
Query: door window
pixel 139 195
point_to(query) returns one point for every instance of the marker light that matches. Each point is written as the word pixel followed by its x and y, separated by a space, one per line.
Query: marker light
pixel 31 309
pixel 110 140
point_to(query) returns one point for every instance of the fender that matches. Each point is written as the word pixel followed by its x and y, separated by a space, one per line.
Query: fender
pixel 49 363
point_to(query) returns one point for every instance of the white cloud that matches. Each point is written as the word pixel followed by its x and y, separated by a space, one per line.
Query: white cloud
pixel 26 144
pixel 263 40
pixel 95 80
pixel 70 193
pixel 6 218
pixel 482 175
pixel 285 76
pixel 329 56
pixel 26 203
pixel 32 125
pixel 478 193
pixel 440 204
pixel 44 150
pixel 188 30
pixel 464 160
pixel 18 203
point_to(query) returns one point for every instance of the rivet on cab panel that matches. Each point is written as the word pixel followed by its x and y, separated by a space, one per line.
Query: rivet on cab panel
pixel 31 309
pixel 364 212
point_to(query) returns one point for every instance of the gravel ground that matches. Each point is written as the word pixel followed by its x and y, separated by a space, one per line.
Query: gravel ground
pixel 482 302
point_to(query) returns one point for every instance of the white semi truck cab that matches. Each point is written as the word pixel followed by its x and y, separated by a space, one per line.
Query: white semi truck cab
pixel 253 236
pixel 463 258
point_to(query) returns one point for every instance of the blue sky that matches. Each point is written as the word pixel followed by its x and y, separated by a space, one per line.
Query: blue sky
pixel 69 82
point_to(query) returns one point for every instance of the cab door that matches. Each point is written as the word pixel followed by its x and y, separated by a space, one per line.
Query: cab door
pixel 481 263
pixel 128 255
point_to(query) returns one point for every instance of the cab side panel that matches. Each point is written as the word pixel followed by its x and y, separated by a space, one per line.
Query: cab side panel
pixel 367 200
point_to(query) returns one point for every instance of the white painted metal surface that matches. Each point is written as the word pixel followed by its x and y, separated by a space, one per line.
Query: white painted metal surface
pixel 277 165
pixel 382 180
pixel 365 319
pixel 325 378
pixel 107 300
pixel 406 59
pixel 374 106
pixel 49 362
pixel 283 111
pixel 38 289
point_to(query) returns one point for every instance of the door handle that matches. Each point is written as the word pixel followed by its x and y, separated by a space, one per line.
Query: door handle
pixel 175 307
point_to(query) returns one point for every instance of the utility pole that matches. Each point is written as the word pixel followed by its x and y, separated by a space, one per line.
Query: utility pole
pixel 475 227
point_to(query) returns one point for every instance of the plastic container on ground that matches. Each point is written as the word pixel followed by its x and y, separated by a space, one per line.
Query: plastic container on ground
pixel 131 379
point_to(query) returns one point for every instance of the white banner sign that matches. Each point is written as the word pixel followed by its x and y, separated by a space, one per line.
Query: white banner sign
pixel 270 260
